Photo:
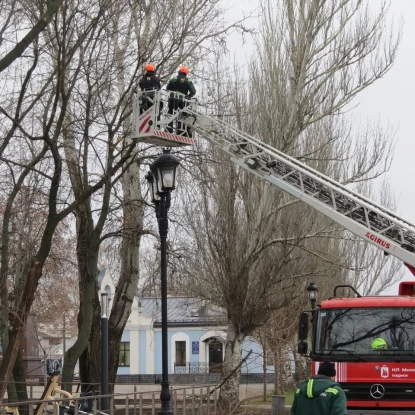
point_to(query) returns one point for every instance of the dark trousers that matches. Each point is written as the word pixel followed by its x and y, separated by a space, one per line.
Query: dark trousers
pixel 174 105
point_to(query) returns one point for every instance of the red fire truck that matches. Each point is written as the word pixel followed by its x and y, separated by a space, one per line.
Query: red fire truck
pixel 372 342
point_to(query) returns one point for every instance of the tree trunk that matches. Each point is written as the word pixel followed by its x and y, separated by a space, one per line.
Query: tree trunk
pixel 277 389
pixel 18 323
pixel 281 371
pixel 126 289
pixel 5 311
pixel 89 306
pixel 86 348
pixel 264 366
pixel 18 319
pixel 11 387
pixel 19 377
pixel 231 372
pixel 85 323
pixel 301 372
pixel 89 361
pixel 90 315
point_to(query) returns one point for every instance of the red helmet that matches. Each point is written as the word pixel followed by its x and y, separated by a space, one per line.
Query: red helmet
pixel 184 69
pixel 150 68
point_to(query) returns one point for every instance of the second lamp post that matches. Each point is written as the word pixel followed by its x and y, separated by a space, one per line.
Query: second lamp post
pixel 162 180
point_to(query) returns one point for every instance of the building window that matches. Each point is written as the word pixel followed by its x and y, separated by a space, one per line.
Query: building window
pixel 180 353
pixel 124 354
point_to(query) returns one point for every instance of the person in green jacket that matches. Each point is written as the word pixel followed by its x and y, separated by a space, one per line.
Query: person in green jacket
pixel 182 84
pixel 320 395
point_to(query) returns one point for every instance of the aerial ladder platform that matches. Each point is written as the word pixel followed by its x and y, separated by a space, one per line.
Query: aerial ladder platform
pixel 172 121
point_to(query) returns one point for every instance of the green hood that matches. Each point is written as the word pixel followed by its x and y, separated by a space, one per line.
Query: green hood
pixel 317 385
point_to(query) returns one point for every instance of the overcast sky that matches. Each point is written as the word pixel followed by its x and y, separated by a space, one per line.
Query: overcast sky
pixel 390 100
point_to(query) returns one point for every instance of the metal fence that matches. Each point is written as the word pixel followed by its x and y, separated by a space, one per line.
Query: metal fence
pixel 201 400
pixel 197 367
pixel 192 367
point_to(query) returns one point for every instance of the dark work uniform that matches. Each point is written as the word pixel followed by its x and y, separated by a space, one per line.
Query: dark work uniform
pixel 148 82
pixel 183 85
pixel 319 396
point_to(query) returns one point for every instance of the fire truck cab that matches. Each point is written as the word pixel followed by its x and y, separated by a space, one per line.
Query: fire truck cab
pixel 372 342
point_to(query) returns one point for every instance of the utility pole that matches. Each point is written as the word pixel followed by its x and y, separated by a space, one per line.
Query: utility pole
pixel 64 338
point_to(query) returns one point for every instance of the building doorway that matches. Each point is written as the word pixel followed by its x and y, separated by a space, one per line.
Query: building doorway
pixel 215 355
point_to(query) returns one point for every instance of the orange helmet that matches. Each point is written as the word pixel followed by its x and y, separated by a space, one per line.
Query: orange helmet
pixel 150 68
pixel 184 69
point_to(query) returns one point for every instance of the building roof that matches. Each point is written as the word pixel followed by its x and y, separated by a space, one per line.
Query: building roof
pixel 182 311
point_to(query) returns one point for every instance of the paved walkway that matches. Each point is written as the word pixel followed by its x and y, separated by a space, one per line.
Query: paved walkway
pixel 253 390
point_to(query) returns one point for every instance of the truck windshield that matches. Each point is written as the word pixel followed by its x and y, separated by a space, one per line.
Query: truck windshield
pixel 366 333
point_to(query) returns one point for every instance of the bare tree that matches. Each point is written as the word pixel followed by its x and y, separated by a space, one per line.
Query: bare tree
pixel 313 59
pixel 36 103
pixel 101 76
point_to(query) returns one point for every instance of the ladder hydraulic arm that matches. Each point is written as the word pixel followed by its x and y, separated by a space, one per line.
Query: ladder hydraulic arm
pixel 375 224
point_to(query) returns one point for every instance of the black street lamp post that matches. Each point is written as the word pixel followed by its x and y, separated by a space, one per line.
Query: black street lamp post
pixel 104 351
pixel 162 180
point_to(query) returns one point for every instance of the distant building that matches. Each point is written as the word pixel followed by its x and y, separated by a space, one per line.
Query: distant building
pixel 196 337
pixel 196 340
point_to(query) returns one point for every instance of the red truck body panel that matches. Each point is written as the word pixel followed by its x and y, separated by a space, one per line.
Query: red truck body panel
pixel 373 372
pixel 365 302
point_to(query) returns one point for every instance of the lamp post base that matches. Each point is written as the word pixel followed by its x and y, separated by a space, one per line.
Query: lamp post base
pixel 166 408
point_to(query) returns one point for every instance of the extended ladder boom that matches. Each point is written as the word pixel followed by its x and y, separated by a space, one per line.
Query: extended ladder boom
pixel 359 215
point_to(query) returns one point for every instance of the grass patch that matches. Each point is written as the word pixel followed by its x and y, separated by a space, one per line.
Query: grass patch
pixel 289 398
